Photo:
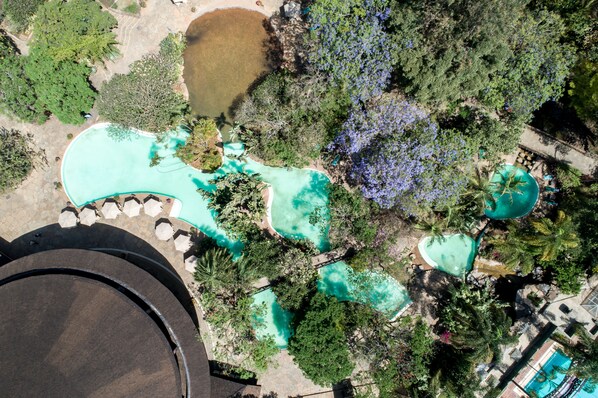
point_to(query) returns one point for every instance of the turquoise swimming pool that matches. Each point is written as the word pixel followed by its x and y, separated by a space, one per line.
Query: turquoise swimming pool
pixel 454 254
pixel 551 375
pixel 275 321
pixel 515 205
pixel 380 291
pixel 96 166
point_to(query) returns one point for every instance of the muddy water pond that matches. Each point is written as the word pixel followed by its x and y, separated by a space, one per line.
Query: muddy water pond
pixel 227 50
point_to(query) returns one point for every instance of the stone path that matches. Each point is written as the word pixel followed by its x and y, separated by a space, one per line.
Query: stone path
pixel 543 144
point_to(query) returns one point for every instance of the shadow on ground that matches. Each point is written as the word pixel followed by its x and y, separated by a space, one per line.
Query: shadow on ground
pixel 108 239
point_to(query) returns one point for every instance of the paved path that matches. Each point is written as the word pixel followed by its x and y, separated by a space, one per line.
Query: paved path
pixel 543 144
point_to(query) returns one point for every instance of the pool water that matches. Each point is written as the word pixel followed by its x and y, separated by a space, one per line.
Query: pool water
pixel 522 203
pixel 227 50
pixel 454 254
pixel 96 166
pixel 378 290
pixel 274 321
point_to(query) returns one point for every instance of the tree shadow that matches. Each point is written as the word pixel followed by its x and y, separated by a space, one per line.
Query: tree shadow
pixel 107 239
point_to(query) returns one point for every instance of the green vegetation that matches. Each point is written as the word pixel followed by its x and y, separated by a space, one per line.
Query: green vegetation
pixel 145 98
pixel 550 238
pixel 200 150
pixel 319 345
pixel 287 121
pixel 20 12
pixel 583 354
pixel 583 90
pixel 76 30
pixel 238 203
pixel 18 158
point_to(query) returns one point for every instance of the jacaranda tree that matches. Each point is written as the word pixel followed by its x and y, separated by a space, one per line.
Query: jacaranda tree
pixel 400 158
pixel 351 44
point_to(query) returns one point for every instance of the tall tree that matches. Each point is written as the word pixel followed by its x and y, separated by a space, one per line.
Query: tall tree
pixel 319 345
pixel 536 70
pixel 20 12
pixel 215 270
pixel 446 50
pixel 76 30
pixel 583 354
pixel 62 86
pixel 238 202
pixel 399 157
pixel 351 44
pixel 553 237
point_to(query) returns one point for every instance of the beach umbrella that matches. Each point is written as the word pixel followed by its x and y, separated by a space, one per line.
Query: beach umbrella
pixel 152 206
pixel 164 230
pixel 110 210
pixel 190 263
pixel 132 207
pixel 68 218
pixel 88 216
pixel 182 242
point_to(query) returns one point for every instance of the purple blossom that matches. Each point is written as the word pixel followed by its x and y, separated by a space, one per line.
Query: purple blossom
pixel 399 156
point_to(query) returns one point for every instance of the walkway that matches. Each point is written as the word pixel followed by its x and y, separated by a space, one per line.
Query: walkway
pixel 543 144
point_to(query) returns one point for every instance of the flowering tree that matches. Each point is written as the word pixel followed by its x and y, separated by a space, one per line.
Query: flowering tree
pixel 351 45
pixel 400 157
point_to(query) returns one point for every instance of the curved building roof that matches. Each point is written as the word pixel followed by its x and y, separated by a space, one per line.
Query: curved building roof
pixel 83 323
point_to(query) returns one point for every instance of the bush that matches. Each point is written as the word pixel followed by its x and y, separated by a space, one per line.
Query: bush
pixel 145 98
pixel 200 149
pixel 17 158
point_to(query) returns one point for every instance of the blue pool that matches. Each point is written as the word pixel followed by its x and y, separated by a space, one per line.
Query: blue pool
pixel 518 204
pixel 378 290
pixel 452 254
pixel 96 166
pixel 274 321
pixel 551 376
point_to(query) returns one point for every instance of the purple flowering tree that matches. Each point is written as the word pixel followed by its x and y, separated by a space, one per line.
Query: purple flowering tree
pixel 351 45
pixel 400 158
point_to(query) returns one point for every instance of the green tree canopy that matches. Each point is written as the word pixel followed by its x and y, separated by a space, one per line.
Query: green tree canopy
pixel 319 345
pixel 200 149
pixel 583 90
pixel 288 120
pixel 238 202
pixel 62 86
pixel 584 355
pixel 20 12
pixel 537 68
pixel 446 50
pixel 550 238
pixel 76 30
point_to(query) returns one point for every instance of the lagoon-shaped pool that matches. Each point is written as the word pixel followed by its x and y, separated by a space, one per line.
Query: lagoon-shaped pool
pixel 273 321
pixel 452 254
pixel 381 291
pixel 97 166
pixel 518 204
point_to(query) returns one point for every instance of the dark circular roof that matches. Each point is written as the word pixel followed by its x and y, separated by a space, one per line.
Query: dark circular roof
pixel 83 323
pixel 67 336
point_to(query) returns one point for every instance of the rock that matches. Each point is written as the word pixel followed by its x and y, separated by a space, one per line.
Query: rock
pixel 292 10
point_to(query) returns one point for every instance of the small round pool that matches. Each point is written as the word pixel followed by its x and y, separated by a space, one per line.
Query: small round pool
pixel 453 254
pixel 517 204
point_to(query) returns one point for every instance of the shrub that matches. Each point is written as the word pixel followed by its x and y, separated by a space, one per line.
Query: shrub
pixel 17 158
pixel 145 98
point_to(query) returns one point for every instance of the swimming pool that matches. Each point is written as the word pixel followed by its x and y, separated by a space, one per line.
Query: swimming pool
pixel 454 254
pixel 378 290
pixel 522 203
pixel 97 166
pixel 551 375
pixel 275 321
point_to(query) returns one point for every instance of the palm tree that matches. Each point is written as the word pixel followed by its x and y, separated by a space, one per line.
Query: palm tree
pixel 584 355
pixel 480 191
pixel 433 226
pixel 552 237
pixel 214 270
pixel 509 184
pixel 514 252
pixel 477 322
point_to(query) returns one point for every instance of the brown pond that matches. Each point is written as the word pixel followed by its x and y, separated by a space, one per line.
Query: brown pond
pixel 227 50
